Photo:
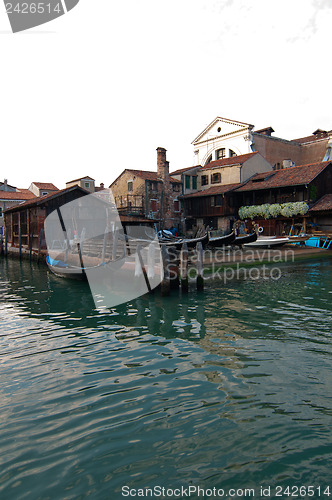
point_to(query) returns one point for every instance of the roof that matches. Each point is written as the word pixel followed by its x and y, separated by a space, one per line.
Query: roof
pixel 323 204
pixel 80 179
pixel 23 194
pixel 315 136
pixel 182 170
pixel 227 162
pixel 147 175
pixel 45 185
pixel 39 200
pixel 226 120
pixel 213 190
pixel 265 131
pixel 292 176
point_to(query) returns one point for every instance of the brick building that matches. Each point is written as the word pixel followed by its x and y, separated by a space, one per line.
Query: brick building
pixel 150 194
pixel 224 138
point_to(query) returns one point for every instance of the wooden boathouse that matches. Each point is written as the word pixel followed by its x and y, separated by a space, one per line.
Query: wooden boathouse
pixel 24 223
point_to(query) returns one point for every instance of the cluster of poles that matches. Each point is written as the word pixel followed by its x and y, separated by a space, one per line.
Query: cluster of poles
pixel 176 268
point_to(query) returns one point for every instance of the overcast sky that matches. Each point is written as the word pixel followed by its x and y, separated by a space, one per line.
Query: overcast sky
pixel 99 89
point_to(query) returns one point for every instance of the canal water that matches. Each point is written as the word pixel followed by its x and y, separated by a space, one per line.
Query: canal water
pixel 228 389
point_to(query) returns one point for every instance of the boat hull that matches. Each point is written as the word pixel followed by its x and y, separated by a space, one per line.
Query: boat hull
pixel 221 241
pixel 267 242
pixel 243 240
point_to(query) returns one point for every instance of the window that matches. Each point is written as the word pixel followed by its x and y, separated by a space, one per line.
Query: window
pixel 209 159
pixel 187 181
pixel 216 201
pixel 232 153
pixel 87 185
pixel 130 185
pixel 43 193
pixel 204 180
pixel 1 213
pixel 220 153
pixel 153 204
pixel 176 206
pixel 216 178
pixel 153 186
pixel 177 187
pixel 2 230
pixel 194 182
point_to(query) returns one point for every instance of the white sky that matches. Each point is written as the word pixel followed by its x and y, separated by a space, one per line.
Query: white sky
pixel 99 89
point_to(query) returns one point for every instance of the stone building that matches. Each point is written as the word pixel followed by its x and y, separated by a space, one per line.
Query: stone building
pixel 42 188
pixel 150 194
pixel 224 138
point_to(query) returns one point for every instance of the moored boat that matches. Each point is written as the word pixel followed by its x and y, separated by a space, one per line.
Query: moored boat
pixel 220 241
pixel 245 239
pixel 268 242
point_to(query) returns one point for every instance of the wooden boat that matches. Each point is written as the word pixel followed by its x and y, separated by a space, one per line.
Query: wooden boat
pixel 191 242
pixel 66 270
pixel 221 241
pixel 268 242
pixel 298 239
pixel 245 239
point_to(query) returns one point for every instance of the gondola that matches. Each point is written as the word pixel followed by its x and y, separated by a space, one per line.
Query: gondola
pixel 221 241
pixel 191 242
pixel 242 240
pixel 65 270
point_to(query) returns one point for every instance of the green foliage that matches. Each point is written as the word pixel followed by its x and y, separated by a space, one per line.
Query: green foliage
pixel 267 210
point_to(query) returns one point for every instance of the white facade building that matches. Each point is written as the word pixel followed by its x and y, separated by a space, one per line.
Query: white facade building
pixel 222 138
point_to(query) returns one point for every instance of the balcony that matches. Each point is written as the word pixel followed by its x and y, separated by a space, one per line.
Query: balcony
pixel 130 204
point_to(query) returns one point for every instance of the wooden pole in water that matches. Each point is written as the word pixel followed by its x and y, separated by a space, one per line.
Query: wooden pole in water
pixel 199 266
pixel 30 245
pixel 174 267
pixel 6 242
pixel 184 267
pixel 165 283
pixel 20 240
pixel 40 243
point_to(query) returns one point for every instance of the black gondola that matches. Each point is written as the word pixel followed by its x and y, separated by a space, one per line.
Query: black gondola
pixel 248 238
pixel 221 241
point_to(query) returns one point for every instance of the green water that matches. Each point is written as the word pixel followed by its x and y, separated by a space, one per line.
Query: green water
pixel 230 388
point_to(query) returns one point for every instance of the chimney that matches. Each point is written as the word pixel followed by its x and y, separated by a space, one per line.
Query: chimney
pixel 5 185
pixel 101 185
pixel 287 163
pixel 162 165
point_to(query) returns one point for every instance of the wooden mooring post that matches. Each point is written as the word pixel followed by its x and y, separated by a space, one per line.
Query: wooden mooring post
pixel 6 243
pixel 20 241
pixel 184 267
pixel 165 285
pixel 40 241
pixel 199 266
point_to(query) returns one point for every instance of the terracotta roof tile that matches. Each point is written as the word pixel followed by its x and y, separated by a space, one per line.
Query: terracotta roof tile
pixel 234 160
pixel 182 170
pixel 323 204
pixel 293 176
pixel 23 194
pixel 45 185
pixel 150 176
pixel 213 190
pixel 39 200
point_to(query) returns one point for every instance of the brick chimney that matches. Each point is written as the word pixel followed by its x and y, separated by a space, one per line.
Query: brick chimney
pixel 162 164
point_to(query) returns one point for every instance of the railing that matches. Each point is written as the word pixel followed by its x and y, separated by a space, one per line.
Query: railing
pixel 130 203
